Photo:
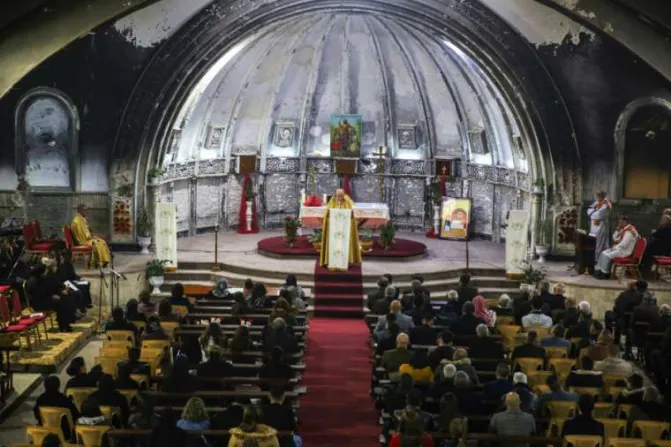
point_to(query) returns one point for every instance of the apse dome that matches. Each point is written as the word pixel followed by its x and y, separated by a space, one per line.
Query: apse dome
pixel 275 92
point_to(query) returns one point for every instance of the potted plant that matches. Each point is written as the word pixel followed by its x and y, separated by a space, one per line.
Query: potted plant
pixel 532 276
pixel 316 239
pixel 155 174
pixel 538 186
pixel 366 240
pixel 156 273
pixel 291 225
pixel 544 239
pixel 144 229
pixel 387 235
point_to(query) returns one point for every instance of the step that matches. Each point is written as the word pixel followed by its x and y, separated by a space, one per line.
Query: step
pixel 338 301
pixel 349 288
pixel 339 311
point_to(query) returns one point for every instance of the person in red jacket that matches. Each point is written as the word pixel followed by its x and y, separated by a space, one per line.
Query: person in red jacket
pixel 411 432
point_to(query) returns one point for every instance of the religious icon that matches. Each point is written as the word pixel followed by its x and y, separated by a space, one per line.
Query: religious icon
pixel 284 134
pixel 346 135
pixel 407 136
pixel 455 217
pixel 215 137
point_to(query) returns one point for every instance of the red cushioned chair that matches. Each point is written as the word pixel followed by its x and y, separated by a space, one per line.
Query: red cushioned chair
pixel 37 231
pixel 34 248
pixel 78 251
pixel 630 264
pixel 661 265
pixel 6 326
pixel 27 316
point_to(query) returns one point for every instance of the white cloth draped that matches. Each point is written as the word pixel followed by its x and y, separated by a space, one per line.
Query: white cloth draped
pixel 516 241
pixel 339 234
pixel 166 232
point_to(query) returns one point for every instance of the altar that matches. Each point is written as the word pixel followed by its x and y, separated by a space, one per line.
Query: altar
pixel 374 215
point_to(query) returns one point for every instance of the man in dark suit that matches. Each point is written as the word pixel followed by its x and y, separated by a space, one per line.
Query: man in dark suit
pixel 466 291
pixel 416 296
pixel 424 334
pixel 134 363
pixel 583 423
pixel 52 397
pixel 279 414
pixel 388 343
pixel 280 336
pixel 556 301
pixel 391 283
pixel 215 366
pixel 529 348
pixel 496 389
pixel 394 358
pixel 444 349
pixel 378 293
pixel 624 305
pixel 381 306
pixel 467 322
pixel 522 307
pixel 485 347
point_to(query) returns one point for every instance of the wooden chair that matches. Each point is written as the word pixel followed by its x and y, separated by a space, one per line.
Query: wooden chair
pixel 182 311
pixel 114 352
pixel 561 367
pixel 650 430
pixel 169 327
pixel 624 442
pixel 139 324
pixel 614 392
pixel 7 327
pixel 79 395
pixel 142 380
pixel 602 410
pixel 623 411
pixel 611 380
pixel 529 364
pixel 541 389
pixel 91 435
pixel 33 247
pixel 555 427
pixel 116 335
pixel 583 441
pixel 591 391
pixel 561 409
pixel 111 413
pixel 505 320
pixel 660 443
pixel 52 417
pixel 508 333
pixel 661 265
pixel 555 352
pixel 613 428
pixel 153 358
pixel 536 378
pixel 108 364
pixel 131 396
pixel 155 344
pixel 118 344
pixel 37 434
pixel 630 264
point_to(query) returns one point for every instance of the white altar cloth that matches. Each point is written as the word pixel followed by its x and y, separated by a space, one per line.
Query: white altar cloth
pixel 376 214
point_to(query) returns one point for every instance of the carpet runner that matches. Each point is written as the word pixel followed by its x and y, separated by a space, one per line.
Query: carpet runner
pixel 338 294
pixel 337 410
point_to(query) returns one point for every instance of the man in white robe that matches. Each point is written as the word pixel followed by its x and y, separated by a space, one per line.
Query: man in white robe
pixel 624 241
pixel 599 228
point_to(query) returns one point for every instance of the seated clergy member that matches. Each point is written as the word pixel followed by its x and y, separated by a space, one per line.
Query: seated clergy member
pixel 659 243
pixel 82 235
pixel 624 241
pixel 394 358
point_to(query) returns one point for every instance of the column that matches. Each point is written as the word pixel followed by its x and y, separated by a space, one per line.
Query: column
pixel 153 200
pixel 536 214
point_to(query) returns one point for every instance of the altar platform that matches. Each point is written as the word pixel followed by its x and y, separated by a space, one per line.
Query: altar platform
pixel 403 249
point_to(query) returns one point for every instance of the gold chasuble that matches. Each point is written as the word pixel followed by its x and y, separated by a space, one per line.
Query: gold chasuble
pixel 82 234
pixel 354 247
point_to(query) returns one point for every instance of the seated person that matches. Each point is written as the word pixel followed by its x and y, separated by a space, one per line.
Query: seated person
pixel 556 339
pixel 381 306
pixel 417 310
pixel 132 311
pixel 215 366
pixel 250 428
pixel 523 390
pixel 556 300
pixel 557 393
pixel 47 293
pixel 530 348
pixel 52 397
pixel 659 242
pixel 414 402
pixel 295 295
pixel 416 296
pixel 389 342
pixel 514 420
pixel 470 403
pixel 652 407
pixel 276 367
pixel 448 313
pixel 404 322
pixel 634 392
pixel 444 349
pixel 377 294
pixel 570 316
pixel 279 414
pixel 81 233
pixel 424 334
pixel 165 312
pixel 394 358
pixel 107 395
pixel 613 363
pixel 91 414
pixel 167 432
pixel 153 330
pixel 496 389
pixel 177 297
pixel 536 318
pixel 239 343
pixel 595 330
pixel 119 322
pixel 583 423
pixel 80 378
pixel 194 415
pixel 247 288
pixel 505 306
pixel 483 312
pixel 279 335
pixel 259 298
pixel 146 305
pixel 396 399
pixel 585 376
pixel 65 271
pixel 599 350
pixel 522 306
pixel 418 367
pixel 283 310
pixel 485 347
pixel 134 365
pixel 465 291
pixel 123 379
pixel 624 242
pixel 467 322
pixel 240 305
pixel 444 381
pixel 179 380
pixel 463 363
pixel 410 430
pixel 220 291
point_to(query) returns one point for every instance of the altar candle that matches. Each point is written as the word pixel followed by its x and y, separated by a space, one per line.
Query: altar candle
pixel 302 196
pixel 324 199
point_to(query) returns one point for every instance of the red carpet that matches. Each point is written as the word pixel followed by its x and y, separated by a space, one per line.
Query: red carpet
pixel 337 410
pixel 338 294
pixel 403 248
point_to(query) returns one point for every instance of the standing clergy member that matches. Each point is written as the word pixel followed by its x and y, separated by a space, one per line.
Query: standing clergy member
pixel 624 240
pixel 340 201
pixel 83 236
pixel 599 226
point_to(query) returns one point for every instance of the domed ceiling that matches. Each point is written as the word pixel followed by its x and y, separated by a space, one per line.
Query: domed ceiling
pixel 295 75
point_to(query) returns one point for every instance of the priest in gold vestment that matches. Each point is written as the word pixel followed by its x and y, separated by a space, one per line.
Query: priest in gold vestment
pixel 83 236
pixel 340 201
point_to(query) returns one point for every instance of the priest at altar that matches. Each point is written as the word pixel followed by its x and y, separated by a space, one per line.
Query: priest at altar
pixel 81 232
pixel 340 238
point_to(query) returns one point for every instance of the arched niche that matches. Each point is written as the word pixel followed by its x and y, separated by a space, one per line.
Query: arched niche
pixel 46 126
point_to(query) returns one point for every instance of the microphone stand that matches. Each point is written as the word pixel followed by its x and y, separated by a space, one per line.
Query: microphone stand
pixel 115 277
pixel 103 285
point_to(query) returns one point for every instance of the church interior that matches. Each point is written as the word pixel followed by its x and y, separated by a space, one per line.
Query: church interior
pixel 351 222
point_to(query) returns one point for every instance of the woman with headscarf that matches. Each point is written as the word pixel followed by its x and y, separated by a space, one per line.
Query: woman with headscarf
pixel 259 298
pixel 220 291
pixel 483 312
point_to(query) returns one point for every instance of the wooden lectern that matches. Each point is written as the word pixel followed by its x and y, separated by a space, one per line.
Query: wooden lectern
pixel 585 248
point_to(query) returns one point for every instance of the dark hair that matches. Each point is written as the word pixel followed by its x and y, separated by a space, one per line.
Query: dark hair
pixel 52 383
pixel 51 440
pixel 532 336
pixel 249 418
pixel 38 270
pixel 391 317
pixel 597 325
pixel 586 404
pixel 636 380
pixel 587 363
pixel 428 316
pixel 240 340
pixel 123 371
pixel 164 308
pixel 503 370
pixel 537 303
pixel 468 308
pixel 258 291
pixel 554 383
pixel 177 290
pixel 419 359
pixel 406 382
pixel 95 372
pixel 559 330
pixel 131 309
pixel 277 354
pixel 75 366
pixel 291 281
pixel 118 314
pixel 106 383
pixel 276 391
pixel 91 408
pixel 447 336
pixel 465 279
pixel 389 278
pixel 249 283
pixel 145 296
pixel 414 398
pixel 393 328
pixel 134 354
pixel 449 410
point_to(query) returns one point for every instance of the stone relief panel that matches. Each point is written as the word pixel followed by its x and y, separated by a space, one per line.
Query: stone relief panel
pixel 322 165
pixel 180 170
pixel 165 192
pixel 181 198
pixel 453 188
pixel 506 177
pixel 208 202
pixel 483 206
pixel 210 167
pixel 566 227
pixel 282 165
pixel 233 190
pixel 483 173
pixel 327 184
pixel 409 195
pixel 523 180
pixel 281 195
pixel 408 167
pixel 505 199
pixel 365 188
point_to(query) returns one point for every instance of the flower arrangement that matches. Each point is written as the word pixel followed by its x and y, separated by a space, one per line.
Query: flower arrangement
pixel 387 235
pixel 313 200
pixel 533 275
pixel 316 237
pixel 291 225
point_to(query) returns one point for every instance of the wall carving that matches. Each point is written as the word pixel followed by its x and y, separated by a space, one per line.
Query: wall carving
pixel 409 203
pixel 210 167
pixel 234 194
pixel 281 194
pixel 181 195
pixel 282 165
pixel 322 165
pixel 179 170
pixel 483 207
pixel 408 167
pixel 208 202
pixel 566 226
pixel 365 188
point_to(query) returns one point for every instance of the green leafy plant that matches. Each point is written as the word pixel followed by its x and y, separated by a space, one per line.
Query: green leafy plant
pixel 533 275
pixel 544 234
pixel 436 195
pixel 144 223
pixel 249 191
pixel 540 183
pixel 291 225
pixel 366 235
pixel 387 235
pixel 156 172
pixel 315 237
pixel 156 267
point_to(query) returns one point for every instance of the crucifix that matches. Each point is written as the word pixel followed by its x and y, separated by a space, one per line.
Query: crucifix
pixel 380 153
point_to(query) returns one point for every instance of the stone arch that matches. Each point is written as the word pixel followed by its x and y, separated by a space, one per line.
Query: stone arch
pixel 620 135
pixel 546 131
pixel 49 128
